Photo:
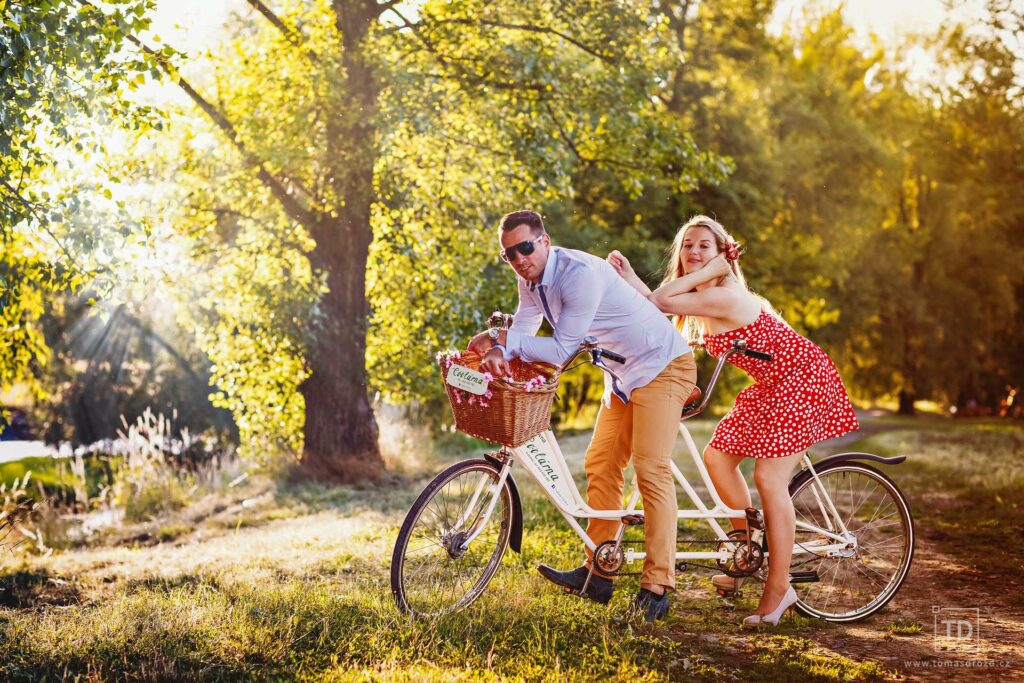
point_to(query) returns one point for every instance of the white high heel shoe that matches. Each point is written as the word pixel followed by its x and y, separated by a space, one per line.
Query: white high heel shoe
pixel 772 618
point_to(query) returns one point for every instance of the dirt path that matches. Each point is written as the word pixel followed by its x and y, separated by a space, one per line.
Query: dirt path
pixel 979 587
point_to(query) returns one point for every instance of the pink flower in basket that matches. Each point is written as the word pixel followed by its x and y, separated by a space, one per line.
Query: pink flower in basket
pixel 535 383
pixel 446 358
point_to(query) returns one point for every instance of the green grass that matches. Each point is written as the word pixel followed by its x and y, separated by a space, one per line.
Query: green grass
pixel 785 658
pixel 336 627
pixel 45 471
pixel 904 627
pixel 293 584
pixel 172 531
pixel 55 474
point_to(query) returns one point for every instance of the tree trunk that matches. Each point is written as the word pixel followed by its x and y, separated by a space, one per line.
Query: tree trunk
pixel 906 400
pixel 341 430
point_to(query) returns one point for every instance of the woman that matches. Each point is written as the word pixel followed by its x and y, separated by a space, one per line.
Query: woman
pixel 796 400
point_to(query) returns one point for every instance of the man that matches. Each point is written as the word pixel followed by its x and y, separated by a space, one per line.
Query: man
pixel 580 295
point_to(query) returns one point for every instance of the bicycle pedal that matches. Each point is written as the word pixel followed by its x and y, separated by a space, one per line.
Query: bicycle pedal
pixel 755 520
pixel 804 577
pixel 633 520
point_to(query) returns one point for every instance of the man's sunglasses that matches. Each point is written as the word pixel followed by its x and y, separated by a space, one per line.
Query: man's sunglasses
pixel 525 248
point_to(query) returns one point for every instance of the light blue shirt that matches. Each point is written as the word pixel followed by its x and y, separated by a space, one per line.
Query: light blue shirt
pixel 582 295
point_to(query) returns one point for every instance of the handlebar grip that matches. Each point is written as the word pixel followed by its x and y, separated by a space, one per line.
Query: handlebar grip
pixel 760 355
pixel 612 356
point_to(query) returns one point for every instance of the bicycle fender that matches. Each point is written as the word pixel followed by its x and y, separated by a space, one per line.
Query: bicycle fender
pixel 843 457
pixel 830 460
pixel 515 536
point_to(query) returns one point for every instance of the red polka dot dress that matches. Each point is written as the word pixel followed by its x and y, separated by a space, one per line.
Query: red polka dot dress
pixel 796 400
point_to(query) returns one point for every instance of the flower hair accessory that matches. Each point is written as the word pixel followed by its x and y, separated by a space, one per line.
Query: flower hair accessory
pixel 733 250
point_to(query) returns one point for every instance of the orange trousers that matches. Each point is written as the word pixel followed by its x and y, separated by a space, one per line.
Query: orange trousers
pixel 645 428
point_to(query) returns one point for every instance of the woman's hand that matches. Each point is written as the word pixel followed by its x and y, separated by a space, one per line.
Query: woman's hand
pixel 621 264
pixel 718 266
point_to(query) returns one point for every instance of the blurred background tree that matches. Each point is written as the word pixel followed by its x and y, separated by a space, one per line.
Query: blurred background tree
pixel 61 62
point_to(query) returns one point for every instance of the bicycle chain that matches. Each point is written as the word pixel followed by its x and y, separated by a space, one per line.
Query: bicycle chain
pixel 681 566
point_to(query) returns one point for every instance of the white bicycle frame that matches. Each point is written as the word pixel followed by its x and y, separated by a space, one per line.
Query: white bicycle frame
pixel 542 459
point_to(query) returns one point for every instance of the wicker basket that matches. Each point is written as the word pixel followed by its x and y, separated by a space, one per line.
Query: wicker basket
pixel 512 416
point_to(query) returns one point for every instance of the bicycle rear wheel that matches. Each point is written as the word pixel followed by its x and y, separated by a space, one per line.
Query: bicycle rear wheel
pixel 433 570
pixel 853 584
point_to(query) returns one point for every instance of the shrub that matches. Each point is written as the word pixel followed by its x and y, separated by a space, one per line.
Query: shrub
pixel 17 508
pixel 147 484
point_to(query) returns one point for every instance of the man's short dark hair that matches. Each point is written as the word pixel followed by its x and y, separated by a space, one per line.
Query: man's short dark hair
pixel 511 221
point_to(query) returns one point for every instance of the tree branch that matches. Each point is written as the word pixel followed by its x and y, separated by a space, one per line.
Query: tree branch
pixel 479 80
pixel 43 222
pixel 290 34
pixel 565 134
pixel 588 160
pixel 276 186
pixel 607 57
pixel 474 78
pixel 281 239
pixel 679 23
pixel 167 346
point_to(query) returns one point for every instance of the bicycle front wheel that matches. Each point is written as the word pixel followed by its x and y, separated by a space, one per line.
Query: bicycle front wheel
pixel 852 584
pixel 449 547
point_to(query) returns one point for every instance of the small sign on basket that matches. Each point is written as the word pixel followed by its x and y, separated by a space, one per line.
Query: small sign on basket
pixel 466 379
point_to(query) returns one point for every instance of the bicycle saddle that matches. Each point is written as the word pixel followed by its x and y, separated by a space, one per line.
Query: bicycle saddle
pixel 693 401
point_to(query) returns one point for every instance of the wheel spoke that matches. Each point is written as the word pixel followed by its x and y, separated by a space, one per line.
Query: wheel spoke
pixel 850 587
pixel 435 575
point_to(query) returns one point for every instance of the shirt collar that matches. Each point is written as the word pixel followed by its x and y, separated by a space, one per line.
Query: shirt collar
pixel 549 270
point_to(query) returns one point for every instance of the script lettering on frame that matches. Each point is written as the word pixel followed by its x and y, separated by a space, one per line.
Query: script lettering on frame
pixel 468 380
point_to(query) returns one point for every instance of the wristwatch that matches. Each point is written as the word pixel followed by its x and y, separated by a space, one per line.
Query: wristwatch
pixel 493 335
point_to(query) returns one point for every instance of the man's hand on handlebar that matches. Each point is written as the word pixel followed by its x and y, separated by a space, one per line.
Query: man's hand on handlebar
pixel 479 344
pixel 482 343
pixel 494 362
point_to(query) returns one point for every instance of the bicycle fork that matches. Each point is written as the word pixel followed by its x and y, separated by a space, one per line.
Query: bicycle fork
pixel 481 520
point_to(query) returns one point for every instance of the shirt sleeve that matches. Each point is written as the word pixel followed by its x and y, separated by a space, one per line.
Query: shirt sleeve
pixel 526 321
pixel 580 293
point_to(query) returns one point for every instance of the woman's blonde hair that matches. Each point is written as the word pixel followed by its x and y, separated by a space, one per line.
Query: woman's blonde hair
pixel 689 325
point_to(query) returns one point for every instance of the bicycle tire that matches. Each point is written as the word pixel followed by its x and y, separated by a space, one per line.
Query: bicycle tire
pixel 435 576
pixel 877 574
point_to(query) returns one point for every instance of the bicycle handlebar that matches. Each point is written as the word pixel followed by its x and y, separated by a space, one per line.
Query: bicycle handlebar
pixel 738 346
pixel 760 355
pixel 589 344
pixel 605 353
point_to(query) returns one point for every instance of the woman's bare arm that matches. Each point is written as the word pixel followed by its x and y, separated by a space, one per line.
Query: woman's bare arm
pixel 621 265
pixel 715 268
pixel 713 302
